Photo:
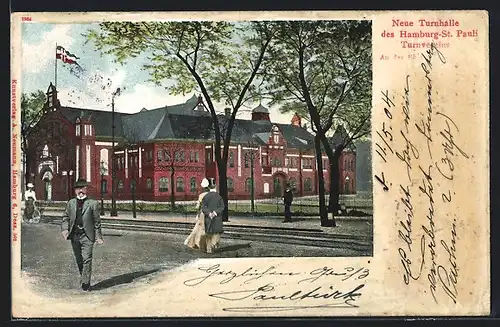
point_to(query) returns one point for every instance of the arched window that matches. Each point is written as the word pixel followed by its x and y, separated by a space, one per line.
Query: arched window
pixel 248 185
pixel 231 159
pixel 159 155
pixel 230 185
pixel 179 156
pixel 346 187
pixel 293 184
pixel 149 183
pixel 166 155
pixel 163 184
pixel 104 158
pixel 277 187
pixel 45 152
pixel 308 184
pixel 180 184
pixel 192 183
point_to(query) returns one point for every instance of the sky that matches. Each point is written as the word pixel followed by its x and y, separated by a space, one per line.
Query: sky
pixel 39 65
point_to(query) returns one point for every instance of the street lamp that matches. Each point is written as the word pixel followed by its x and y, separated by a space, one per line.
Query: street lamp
pixel 70 186
pixel 249 156
pixel 103 170
pixel 113 212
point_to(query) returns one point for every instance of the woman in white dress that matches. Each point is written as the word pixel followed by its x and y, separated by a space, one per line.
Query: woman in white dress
pixel 197 238
pixel 30 206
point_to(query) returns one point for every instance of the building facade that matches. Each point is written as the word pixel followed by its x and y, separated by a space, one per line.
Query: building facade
pixel 165 152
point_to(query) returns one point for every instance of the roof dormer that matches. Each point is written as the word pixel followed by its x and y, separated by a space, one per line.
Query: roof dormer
pixel 260 113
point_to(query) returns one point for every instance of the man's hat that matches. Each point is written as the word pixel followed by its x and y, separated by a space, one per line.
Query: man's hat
pixel 30 185
pixel 212 183
pixel 81 183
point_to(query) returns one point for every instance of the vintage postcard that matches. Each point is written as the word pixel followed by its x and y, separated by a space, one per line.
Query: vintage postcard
pixel 214 164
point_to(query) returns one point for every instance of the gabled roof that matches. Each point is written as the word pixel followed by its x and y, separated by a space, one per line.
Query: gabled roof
pixel 100 119
pixel 183 121
pixel 339 137
pixel 296 137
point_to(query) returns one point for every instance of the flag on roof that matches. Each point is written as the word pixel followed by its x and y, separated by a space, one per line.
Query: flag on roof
pixel 66 56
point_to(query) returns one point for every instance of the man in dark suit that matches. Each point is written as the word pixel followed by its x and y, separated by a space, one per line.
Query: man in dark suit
pixel 212 207
pixel 287 199
pixel 81 223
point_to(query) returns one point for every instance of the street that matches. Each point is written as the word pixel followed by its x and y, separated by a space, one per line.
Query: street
pixel 130 257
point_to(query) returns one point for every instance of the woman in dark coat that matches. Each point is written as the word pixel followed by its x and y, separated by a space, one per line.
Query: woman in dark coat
pixel 212 207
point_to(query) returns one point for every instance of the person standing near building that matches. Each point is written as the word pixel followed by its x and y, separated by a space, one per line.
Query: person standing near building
pixel 81 223
pixel 197 238
pixel 212 207
pixel 288 199
pixel 29 202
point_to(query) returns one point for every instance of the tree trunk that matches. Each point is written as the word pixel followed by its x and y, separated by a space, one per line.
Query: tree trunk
pixel 333 199
pixel 222 169
pixel 27 163
pixel 333 203
pixel 172 186
pixel 321 183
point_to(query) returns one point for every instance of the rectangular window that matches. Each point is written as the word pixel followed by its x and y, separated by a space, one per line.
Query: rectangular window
pixel 276 139
pixel 104 186
pixel 77 130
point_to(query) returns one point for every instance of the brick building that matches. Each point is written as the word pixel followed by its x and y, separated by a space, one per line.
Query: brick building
pixel 171 148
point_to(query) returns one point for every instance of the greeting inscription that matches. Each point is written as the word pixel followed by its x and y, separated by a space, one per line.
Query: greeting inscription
pixel 429 154
pixel 272 289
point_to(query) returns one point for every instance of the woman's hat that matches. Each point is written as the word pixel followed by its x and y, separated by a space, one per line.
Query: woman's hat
pixel 81 183
pixel 205 182
pixel 31 185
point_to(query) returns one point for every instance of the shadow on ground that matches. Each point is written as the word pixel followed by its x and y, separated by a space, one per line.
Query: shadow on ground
pixel 234 247
pixel 122 279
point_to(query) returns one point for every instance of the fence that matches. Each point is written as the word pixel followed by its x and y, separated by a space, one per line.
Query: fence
pixel 306 206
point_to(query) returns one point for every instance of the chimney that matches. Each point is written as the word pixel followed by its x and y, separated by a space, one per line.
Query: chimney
pixel 296 120
pixel 227 112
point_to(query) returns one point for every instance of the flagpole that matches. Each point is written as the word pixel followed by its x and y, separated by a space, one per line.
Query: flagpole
pixel 55 73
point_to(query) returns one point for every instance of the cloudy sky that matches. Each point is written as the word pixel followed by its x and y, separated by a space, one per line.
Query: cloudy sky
pixel 38 60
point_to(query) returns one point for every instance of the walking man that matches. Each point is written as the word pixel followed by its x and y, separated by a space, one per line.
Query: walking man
pixel 287 199
pixel 212 207
pixel 81 223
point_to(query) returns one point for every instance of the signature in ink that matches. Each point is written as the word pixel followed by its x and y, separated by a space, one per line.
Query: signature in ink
pixel 268 292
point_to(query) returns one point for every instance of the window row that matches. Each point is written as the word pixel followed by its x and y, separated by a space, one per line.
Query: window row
pixel 133 162
pixel 87 129
pixel 178 155
pixel 164 184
